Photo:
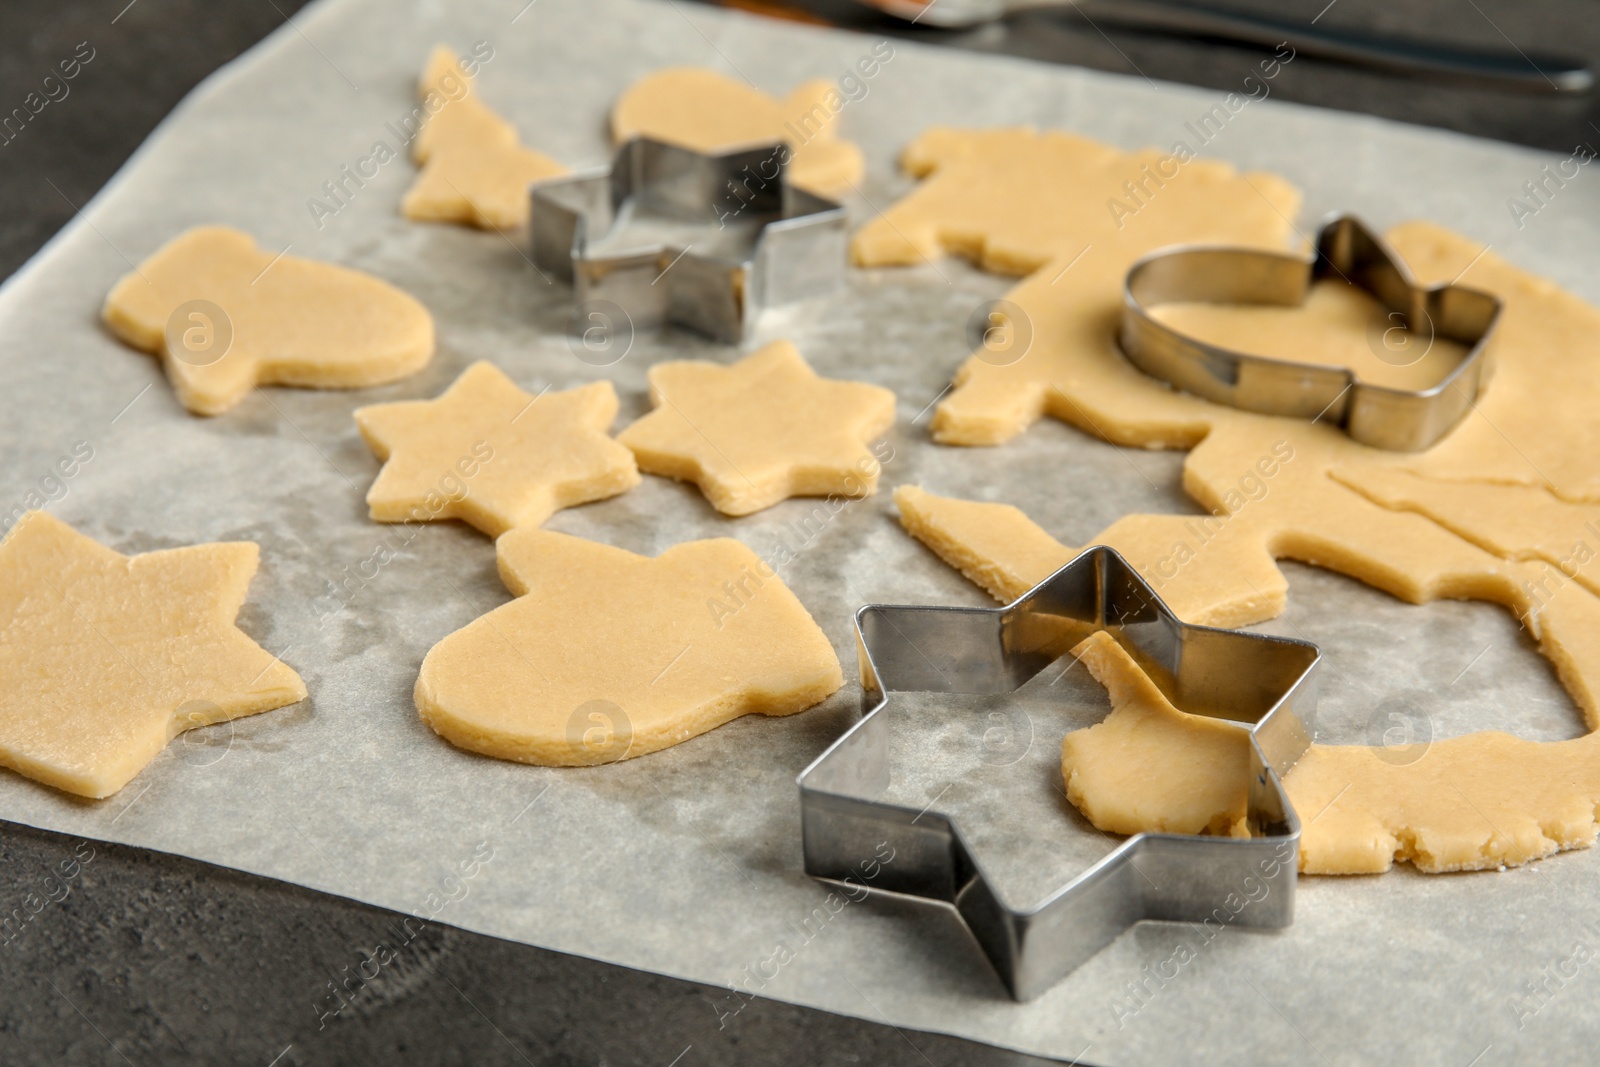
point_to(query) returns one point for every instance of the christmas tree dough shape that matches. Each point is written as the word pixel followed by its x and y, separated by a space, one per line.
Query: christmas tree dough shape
pixel 107 657
pixel 707 111
pixel 293 321
pixel 474 169
pixel 760 431
pixel 605 654
pixel 492 455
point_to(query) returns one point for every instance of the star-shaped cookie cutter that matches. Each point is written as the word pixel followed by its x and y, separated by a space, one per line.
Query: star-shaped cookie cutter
pixel 1266 684
pixel 1383 417
pixel 707 240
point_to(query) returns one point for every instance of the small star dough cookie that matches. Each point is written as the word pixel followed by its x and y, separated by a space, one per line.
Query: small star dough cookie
pixel 226 316
pixel 492 455
pixel 108 657
pixel 606 655
pixel 474 171
pixel 763 430
pixel 709 112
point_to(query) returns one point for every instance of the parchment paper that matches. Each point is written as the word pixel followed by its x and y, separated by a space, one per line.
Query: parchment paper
pixel 687 862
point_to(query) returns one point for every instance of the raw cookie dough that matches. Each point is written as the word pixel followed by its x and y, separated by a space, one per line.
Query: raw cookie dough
pixel 1005 552
pixel 606 655
pixel 1148 766
pixel 1385 809
pixel 708 112
pixel 1511 521
pixel 988 199
pixel 492 455
pixel 108 657
pixel 1118 771
pixel 1016 201
pixel 760 431
pixel 474 170
pixel 1319 330
pixel 241 316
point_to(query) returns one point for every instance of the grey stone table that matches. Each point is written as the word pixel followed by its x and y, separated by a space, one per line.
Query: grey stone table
pixel 150 958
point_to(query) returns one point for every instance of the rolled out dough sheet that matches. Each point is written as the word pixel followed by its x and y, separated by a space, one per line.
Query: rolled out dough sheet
pixel 687 861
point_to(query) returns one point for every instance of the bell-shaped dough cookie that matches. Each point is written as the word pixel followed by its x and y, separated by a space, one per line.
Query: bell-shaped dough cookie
pixel 606 655
pixel 709 112
pixel 760 431
pixel 226 316
pixel 105 657
pixel 474 170
pixel 492 455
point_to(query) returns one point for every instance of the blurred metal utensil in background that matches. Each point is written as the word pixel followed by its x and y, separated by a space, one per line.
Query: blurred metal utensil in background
pixel 1516 70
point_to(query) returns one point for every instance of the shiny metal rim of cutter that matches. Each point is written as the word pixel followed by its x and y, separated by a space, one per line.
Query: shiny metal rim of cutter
pixel 1266 684
pixel 757 242
pixel 1382 417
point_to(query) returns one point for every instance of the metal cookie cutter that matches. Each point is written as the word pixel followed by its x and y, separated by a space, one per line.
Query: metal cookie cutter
pixel 1397 419
pixel 1266 684
pixel 704 240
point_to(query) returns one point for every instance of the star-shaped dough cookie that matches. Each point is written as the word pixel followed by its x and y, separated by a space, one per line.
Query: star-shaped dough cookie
pixel 104 658
pixel 226 316
pixel 765 429
pixel 606 654
pixel 492 455
pixel 709 111
pixel 474 170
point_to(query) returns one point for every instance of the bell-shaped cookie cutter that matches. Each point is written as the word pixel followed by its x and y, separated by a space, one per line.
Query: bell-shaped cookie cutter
pixel 707 240
pixel 1266 684
pixel 1383 417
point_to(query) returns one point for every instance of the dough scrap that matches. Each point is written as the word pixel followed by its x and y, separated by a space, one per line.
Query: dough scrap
pixel 708 111
pixel 492 455
pixel 1015 201
pixel 1511 521
pixel 293 321
pixel 107 657
pixel 1318 331
pixel 605 654
pixel 1373 811
pixel 988 198
pixel 1148 766
pixel 1120 772
pixel 1000 549
pixel 760 431
pixel 474 169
